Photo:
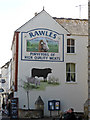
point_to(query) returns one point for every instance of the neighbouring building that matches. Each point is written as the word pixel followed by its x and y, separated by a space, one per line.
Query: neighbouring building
pixel 6 72
pixel 50 59
pixel 5 82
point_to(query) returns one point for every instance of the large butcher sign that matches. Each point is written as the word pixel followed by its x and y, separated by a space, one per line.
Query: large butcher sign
pixel 42 45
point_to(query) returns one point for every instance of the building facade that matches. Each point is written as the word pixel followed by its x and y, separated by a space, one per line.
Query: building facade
pixel 89 59
pixel 49 59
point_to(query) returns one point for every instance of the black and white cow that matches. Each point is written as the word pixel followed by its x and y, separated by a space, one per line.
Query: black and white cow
pixel 41 72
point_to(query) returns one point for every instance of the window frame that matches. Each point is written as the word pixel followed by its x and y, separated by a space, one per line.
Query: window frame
pixel 70 46
pixel 71 81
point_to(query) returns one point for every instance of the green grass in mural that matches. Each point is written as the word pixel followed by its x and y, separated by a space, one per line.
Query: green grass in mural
pixel 32 47
pixel 42 85
pixel 53 48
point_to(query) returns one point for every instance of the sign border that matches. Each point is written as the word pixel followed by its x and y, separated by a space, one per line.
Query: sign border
pixel 42 60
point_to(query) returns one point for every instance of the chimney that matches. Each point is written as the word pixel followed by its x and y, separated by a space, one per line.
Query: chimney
pixel 36 13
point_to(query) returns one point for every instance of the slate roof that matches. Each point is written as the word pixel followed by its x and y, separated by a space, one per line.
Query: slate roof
pixel 74 26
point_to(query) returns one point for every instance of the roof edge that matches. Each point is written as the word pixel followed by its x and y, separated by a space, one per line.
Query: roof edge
pixel 70 18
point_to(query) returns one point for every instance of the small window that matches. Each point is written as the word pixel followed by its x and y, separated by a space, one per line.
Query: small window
pixel 70 72
pixel 70 46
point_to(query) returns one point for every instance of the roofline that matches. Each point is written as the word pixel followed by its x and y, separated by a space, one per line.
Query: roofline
pixel 78 35
pixel 71 18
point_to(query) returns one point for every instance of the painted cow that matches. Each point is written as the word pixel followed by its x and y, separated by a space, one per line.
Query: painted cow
pixel 43 46
pixel 41 72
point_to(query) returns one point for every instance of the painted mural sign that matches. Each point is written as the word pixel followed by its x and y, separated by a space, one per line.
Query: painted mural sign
pixel 42 45
pixel 40 79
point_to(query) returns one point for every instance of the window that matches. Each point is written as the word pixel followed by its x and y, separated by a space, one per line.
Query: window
pixel 70 72
pixel 70 46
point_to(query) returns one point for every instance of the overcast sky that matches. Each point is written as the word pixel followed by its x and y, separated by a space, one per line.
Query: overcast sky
pixel 14 13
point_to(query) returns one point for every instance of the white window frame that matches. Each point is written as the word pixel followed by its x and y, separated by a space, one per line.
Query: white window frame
pixel 71 46
pixel 71 81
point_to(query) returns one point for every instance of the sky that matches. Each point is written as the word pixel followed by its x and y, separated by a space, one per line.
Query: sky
pixel 14 13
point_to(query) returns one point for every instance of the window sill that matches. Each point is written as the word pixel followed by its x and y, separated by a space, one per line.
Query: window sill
pixel 71 82
pixel 71 53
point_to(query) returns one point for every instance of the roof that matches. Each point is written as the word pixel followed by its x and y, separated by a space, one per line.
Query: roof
pixel 74 26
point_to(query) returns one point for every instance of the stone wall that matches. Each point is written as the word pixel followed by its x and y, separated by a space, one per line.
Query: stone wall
pixel 32 113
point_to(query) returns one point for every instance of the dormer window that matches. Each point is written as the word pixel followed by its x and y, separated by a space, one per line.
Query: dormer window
pixel 70 45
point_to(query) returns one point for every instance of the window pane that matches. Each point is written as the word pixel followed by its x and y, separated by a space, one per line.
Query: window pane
pixel 72 50
pixel 68 49
pixel 70 72
pixel 72 67
pixel 68 67
pixel 68 41
pixel 72 42
pixel 70 46
pixel 73 77
pixel 68 77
